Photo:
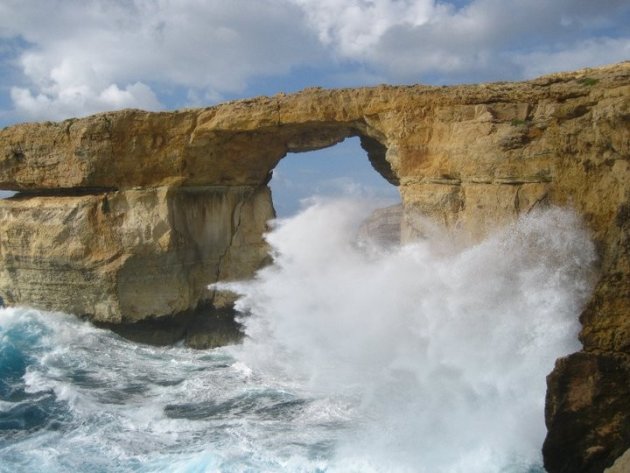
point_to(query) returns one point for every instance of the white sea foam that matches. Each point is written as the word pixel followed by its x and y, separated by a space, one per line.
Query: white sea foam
pixel 427 358
pixel 443 354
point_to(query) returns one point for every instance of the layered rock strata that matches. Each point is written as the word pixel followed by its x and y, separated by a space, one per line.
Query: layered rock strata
pixel 121 256
pixel 128 215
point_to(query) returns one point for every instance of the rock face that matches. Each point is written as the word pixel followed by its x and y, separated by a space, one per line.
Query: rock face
pixel 382 228
pixel 128 215
pixel 122 256
pixel 622 465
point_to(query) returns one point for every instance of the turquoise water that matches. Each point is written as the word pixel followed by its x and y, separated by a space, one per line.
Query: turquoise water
pixel 420 359
pixel 76 398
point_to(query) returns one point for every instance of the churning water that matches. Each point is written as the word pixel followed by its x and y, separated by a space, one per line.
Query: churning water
pixel 429 358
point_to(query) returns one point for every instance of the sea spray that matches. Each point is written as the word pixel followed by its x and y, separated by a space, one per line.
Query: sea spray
pixel 441 352
pixel 426 358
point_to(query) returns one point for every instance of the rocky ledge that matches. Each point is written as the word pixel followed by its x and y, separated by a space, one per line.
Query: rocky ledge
pixel 125 217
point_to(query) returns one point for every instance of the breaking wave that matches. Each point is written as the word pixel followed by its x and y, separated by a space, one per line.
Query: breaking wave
pixel 429 357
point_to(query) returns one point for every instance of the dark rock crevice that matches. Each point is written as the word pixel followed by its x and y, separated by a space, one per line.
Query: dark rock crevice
pixel 377 153
pixel 63 192
pixel 203 327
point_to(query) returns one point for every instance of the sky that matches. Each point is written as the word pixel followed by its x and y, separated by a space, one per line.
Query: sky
pixel 67 58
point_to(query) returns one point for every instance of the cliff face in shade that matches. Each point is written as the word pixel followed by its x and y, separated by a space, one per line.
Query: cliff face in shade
pixel 130 214
pixel 622 465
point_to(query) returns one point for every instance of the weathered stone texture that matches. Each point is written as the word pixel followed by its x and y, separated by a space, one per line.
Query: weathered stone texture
pixel 587 411
pixel 122 256
pixel 132 213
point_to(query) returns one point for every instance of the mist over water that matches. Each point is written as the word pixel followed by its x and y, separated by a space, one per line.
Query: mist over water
pixel 429 357
pixel 440 350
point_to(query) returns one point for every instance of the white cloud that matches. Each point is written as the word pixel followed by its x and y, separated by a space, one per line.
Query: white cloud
pixel 62 102
pixel 353 27
pixel 96 55
pixel 588 53
pixel 349 186
pixel 82 57
pixel 411 40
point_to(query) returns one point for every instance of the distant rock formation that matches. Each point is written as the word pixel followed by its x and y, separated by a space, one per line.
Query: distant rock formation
pixel 383 227
pixel 128 215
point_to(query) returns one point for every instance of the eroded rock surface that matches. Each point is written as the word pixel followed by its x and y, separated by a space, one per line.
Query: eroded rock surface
pixel 128 215
pixel 123 256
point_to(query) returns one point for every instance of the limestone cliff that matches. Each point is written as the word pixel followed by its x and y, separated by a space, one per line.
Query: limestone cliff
pixel 122 256
pixel 129 214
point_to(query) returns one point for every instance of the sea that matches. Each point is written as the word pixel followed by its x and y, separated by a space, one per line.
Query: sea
pixel 428 357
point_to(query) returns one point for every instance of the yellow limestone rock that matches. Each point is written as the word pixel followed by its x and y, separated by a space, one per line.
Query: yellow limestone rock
pixel 122 256
pixel 130 214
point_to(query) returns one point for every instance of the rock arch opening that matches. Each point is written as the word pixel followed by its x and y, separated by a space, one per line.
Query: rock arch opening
pixel 339 170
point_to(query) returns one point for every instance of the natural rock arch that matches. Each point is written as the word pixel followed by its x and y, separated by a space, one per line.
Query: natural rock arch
pixel 129 214
pixel 163 208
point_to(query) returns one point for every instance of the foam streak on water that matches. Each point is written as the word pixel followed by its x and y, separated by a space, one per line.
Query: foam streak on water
pixel 426 358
